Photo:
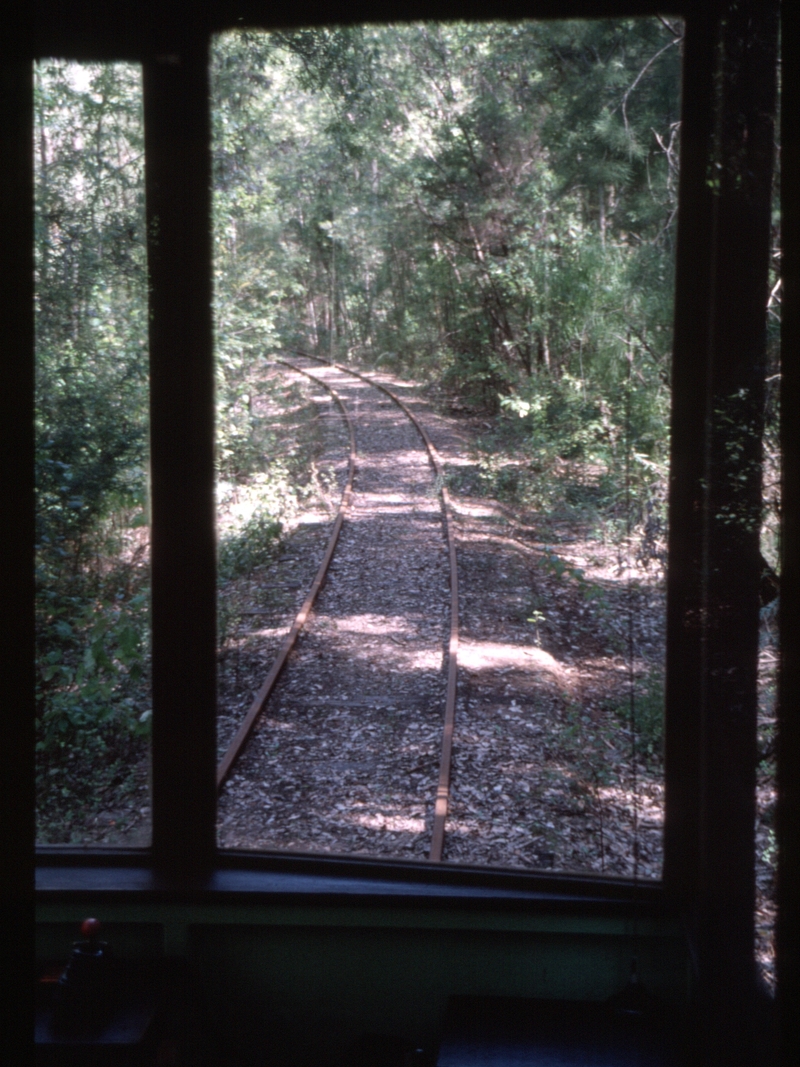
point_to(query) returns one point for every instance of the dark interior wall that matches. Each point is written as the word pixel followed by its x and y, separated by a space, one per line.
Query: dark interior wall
pixel 316 978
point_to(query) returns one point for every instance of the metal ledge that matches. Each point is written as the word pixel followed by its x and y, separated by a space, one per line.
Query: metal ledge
pixel 64 878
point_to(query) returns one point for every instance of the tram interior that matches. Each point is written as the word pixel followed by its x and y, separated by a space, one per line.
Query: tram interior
pixel 246 959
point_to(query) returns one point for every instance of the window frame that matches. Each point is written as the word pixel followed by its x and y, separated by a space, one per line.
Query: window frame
pixel 184 858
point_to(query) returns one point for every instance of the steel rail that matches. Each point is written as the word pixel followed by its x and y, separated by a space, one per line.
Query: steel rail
pixel 262 696
pixel 442 801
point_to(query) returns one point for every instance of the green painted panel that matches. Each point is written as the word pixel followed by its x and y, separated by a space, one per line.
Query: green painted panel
pixel 320 987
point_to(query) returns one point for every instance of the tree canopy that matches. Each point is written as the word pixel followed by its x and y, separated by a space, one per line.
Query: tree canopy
pixel 494 203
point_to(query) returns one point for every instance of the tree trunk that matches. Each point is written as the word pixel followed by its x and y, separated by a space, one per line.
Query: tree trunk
pixel 542 350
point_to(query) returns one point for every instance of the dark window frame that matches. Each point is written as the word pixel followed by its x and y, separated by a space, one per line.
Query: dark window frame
pixel 184 860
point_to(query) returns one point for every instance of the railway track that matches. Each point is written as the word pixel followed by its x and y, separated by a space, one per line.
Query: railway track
pixel 252 728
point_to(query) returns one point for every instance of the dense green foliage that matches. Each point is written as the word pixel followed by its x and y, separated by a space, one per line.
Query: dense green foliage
pixel 91 392
pixel 488 206
pixel 492 206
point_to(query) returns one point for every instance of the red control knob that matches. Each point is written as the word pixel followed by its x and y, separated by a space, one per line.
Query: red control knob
pixel 90 928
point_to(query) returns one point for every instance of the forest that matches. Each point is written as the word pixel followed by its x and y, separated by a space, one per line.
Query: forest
pixel 487 209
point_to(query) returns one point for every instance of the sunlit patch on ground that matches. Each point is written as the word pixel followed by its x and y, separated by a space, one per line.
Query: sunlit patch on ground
pixel 395 823
pixel 489 655
pixel 369 624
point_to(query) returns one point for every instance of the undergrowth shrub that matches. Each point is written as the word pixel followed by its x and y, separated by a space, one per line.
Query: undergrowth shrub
pixel 253 544
pixel 92 692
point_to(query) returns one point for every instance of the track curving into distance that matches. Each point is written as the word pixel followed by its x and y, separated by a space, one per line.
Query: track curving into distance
pixel 263 695
pixel 261 699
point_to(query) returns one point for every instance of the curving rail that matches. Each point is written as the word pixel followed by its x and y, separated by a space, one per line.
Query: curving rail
pixel 262 696
pixel 443 785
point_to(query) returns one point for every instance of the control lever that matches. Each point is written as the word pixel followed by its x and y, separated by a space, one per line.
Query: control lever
pixel 85 991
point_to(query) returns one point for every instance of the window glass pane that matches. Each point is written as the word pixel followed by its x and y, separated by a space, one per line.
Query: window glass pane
pixel 483 216
pixel 92 543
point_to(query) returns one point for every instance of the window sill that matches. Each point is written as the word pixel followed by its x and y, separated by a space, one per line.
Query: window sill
pixel 245 878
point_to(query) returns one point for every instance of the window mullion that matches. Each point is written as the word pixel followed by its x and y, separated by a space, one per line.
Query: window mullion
pixel 715 499
pixel 178 189
pixel 17 645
